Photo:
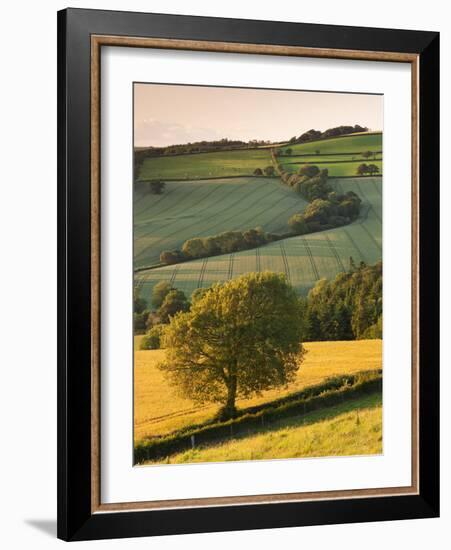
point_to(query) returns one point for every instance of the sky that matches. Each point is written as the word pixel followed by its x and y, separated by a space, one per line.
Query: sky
pixel 170 114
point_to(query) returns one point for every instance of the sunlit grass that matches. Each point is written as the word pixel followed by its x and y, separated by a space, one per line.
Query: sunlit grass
pixel 353 428
pixel 158 410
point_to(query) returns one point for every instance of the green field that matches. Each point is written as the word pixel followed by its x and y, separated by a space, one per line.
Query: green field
pixel 304 259
pixel 353 428
pixel 203 208
pixel 352 144
pixel 341 155
pixel 206 165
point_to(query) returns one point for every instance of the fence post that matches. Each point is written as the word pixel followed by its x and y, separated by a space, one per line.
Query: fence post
pixel 193 442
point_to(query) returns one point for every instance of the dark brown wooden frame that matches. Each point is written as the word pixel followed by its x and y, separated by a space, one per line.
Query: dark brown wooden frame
pixel 420 50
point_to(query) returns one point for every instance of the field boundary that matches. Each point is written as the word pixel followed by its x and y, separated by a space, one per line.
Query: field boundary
pixel 355 161
pixel 329 154
pixel 215 178
pixel 331 392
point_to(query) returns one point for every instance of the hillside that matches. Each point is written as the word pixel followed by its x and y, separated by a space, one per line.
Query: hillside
pixel 350 144
pixel 304 259
pixel 203 208
pixel 341 155
pixel 206 165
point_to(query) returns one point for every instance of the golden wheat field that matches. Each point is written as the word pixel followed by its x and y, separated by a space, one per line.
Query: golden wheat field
pixel 159 410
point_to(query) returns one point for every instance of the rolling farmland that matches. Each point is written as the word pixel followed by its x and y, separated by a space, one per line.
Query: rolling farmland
pixel 206 165
pixel 351 145
pixel 206 194
pixel 341 155
pixel 304 259
pixel 204 208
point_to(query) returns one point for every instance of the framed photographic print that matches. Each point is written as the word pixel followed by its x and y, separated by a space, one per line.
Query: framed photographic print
pixel 248 274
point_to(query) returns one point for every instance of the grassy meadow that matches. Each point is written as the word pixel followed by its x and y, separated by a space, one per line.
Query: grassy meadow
pixel 304 259
pixel 206 165
pixel 159 410
pixel 352 428
pixel 352 144
pixel 341 156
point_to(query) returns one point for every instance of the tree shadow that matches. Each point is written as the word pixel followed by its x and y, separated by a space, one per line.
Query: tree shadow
pixel 46 526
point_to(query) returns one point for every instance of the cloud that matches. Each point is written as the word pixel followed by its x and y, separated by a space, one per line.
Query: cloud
pixel 158 133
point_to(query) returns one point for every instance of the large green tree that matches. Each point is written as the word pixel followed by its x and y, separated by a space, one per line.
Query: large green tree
pixel 238 339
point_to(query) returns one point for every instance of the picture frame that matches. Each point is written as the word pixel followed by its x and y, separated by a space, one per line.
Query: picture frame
pixel 81 36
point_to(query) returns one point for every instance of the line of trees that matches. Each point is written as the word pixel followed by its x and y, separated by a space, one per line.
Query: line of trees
pixel 313 135
pixel 327 208
pixel 198 147
pixel 267 171
pixel 224 243
pixel 346 308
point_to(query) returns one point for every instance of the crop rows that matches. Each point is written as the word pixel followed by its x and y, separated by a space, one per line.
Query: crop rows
pixel 303 259
pixel 202 209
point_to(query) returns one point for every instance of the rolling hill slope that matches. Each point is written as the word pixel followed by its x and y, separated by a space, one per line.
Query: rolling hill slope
pixel 304 259
pixel 204 208
pixel 341 155
pixel 350 144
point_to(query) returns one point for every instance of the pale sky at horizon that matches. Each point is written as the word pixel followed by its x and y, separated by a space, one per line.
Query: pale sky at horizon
pixel 166 114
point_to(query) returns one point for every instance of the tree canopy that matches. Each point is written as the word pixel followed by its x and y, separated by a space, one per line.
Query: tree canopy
pixel 238 339
pixel 346 308
pixel 174 301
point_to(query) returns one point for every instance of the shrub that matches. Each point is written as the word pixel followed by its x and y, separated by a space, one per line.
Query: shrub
pixel 173 302
pixel 171 257
pixel 297 224
pixel 139 321
pixel 309 170
pixel 152 339
pixel 159 293
pixel 269 171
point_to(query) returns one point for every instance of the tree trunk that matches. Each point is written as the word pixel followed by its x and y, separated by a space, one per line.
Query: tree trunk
pixel 231 394
pixel 228 410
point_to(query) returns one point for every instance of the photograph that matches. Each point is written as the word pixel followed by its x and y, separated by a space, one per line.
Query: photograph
pixel 257 276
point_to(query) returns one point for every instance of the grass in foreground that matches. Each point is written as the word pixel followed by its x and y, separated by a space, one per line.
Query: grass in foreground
pixel 158 410
pixel 353 428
